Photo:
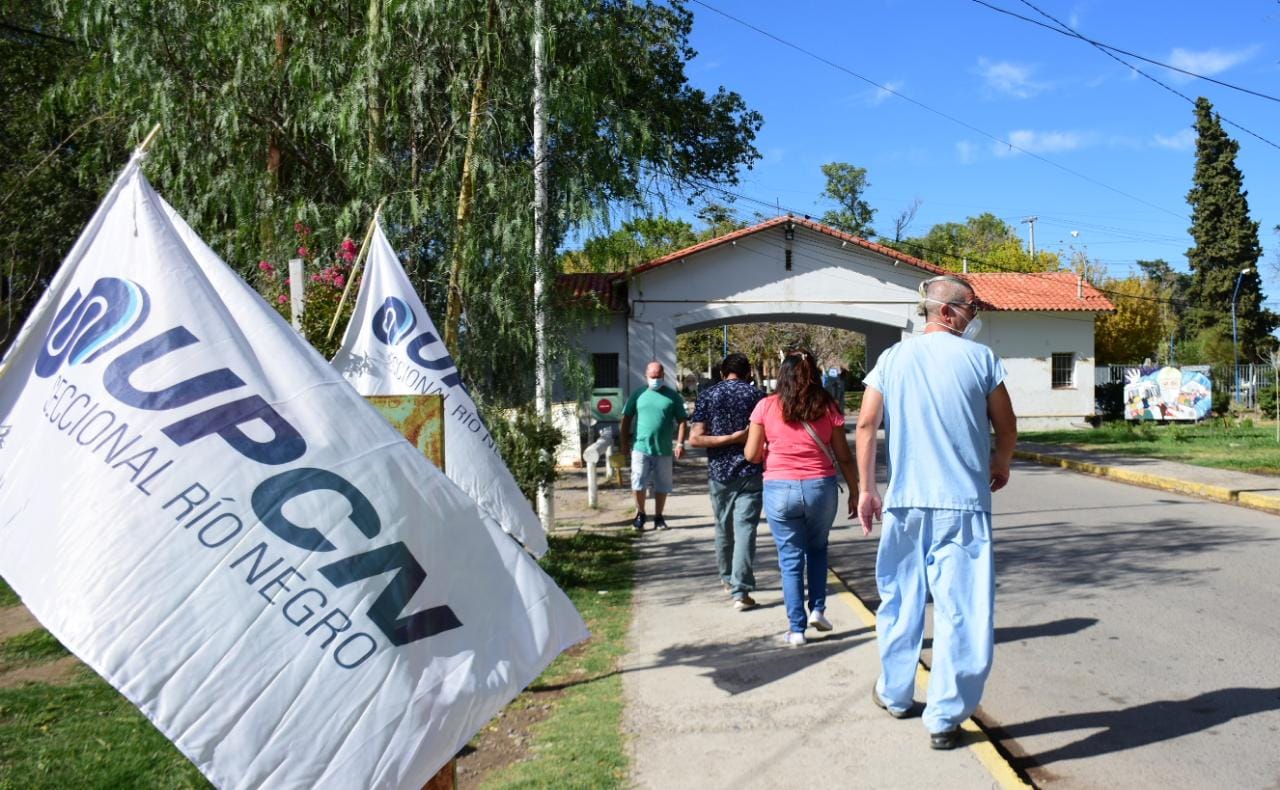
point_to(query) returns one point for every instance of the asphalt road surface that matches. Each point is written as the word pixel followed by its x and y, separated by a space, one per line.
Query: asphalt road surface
pixel 1138 634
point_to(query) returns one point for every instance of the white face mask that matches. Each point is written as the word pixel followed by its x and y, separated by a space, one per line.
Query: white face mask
pixel 655 384
pixel 971 329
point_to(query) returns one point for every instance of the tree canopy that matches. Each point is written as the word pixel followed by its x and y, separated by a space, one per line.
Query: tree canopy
pixel 845 185
pixel 984 243
pixel 312 112
pixel 1226 243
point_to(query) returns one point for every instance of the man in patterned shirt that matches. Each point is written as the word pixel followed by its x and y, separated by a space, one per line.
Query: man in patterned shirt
pixel 719 423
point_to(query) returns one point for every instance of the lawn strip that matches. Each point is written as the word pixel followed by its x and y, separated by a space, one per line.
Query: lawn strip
pixel 7 596
pixel 579 742
pixel 33 647
pixel 1241 446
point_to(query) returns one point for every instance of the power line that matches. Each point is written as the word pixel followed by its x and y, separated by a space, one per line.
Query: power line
pixel 1073 34
pixel 937 112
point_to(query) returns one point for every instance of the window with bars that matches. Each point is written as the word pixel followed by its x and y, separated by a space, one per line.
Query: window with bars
pixel 605 370
pixel 1064 371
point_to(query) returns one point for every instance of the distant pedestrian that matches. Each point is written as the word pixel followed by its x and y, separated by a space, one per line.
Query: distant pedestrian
pixel 799 435
pixel 833 383
pixel 656 413
pixel 719 423
pixel 939 394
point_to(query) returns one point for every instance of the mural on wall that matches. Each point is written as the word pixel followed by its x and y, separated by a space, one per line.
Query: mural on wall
pixel 1166 394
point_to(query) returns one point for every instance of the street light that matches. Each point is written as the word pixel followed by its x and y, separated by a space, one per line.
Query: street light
pixel 1235 344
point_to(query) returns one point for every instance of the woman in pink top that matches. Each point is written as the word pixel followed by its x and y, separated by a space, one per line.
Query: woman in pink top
pixel 800 493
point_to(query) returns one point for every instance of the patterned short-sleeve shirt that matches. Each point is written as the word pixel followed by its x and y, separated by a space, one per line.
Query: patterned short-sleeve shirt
pixel 723 409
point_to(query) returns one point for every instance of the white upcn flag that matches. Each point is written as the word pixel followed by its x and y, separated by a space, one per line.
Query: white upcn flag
pixel 391 347
pixel 198 506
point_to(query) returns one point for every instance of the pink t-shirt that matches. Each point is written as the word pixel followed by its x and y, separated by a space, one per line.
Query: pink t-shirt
pixel 790 453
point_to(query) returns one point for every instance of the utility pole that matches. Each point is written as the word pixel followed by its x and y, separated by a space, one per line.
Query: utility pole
pixel 1031 223
pixel 546 494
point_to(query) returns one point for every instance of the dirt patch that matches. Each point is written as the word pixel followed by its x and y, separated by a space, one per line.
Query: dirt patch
pixel 506 740
pixel 61 672
pixel 16 620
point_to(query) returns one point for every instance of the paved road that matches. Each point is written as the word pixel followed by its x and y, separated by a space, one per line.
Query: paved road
pixel 1138 634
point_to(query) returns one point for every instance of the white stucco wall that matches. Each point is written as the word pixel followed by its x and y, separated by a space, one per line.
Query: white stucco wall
pixel 1026 342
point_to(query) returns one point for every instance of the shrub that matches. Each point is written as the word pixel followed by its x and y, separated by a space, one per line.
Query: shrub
pixel 1267 401
pixel 527 443
pixel 1221 400
pixel 1108 400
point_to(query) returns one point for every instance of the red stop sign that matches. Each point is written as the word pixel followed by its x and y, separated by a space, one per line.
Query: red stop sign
pixel 604 405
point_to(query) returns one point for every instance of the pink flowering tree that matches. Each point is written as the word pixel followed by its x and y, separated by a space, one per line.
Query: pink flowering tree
pixel 326 279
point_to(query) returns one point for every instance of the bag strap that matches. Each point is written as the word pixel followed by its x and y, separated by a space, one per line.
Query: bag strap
pixel 826 450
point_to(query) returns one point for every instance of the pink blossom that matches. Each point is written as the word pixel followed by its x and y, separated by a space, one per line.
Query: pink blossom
pixel 297 227
pixel 266 267
pixel 282 299
pixel 302 251
pixel 348 256
pixel 339 280
pixel 287 279
pixel 315 278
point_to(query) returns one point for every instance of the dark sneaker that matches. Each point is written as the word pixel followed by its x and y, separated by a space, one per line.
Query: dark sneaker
pixel 897 714
pixel 660 523
pixel 638 523
pixel 947 739
pixel 744 604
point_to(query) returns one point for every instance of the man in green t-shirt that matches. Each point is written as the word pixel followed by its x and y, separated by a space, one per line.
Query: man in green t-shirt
pixel 655 412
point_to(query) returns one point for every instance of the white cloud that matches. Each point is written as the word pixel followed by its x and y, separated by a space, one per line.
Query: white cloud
pixel 1033 142
pixel 1183 140
pixel 1209 62
pixel 1011 79
pixel 880 95
pixel 966 151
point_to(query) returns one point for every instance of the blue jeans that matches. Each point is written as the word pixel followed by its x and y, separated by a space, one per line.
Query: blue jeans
pixel 800 513
pixel 736 504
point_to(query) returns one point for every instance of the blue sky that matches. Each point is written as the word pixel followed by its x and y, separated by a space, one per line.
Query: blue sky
pixel 1051 95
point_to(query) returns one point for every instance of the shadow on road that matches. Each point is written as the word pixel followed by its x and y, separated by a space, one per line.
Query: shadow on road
pixel 1142 725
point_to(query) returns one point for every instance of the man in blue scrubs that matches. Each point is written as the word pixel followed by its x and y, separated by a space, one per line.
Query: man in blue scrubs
pixel 939 395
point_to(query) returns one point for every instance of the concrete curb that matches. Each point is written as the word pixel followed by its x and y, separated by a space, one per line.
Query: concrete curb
pixel 1232 496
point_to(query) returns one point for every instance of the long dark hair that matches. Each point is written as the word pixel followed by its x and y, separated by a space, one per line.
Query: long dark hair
pixel 800 387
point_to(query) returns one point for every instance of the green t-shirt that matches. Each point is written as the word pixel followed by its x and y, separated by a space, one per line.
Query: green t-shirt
pixel 655 414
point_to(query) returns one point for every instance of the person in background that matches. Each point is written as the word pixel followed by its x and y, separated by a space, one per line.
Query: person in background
pixel 656 412
pixel 799 435
pixel 719 423
pixel 939 394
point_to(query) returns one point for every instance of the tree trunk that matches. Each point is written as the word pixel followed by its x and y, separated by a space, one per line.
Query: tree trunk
pixel 374 40
pixel 274 152
pixel 466 190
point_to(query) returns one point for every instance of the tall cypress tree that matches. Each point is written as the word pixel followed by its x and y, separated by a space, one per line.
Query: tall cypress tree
pixel 1226 243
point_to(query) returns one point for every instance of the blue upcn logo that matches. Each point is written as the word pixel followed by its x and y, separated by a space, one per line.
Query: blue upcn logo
pixel 87 326
pixel 393 321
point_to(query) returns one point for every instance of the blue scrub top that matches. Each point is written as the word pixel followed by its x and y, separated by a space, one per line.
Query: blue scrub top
pixel 937 430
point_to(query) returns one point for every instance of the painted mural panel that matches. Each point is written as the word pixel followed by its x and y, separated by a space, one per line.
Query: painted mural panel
pixel 1166 394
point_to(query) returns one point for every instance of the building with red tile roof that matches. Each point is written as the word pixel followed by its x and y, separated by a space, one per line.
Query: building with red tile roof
pixel 795 269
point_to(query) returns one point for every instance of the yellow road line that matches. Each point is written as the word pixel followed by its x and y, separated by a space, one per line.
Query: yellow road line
pixel 977 740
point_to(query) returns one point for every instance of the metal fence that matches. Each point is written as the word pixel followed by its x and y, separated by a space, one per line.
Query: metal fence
pixel 1252 378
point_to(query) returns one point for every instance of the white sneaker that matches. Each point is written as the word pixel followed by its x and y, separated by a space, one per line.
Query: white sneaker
pixel 818 619
pixel 793 638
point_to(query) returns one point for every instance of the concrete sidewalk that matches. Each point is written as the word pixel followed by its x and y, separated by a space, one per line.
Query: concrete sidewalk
pixel 1260 492
pixel 714 699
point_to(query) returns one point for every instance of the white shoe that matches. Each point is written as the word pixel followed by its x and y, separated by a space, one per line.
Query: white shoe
pixel 793 638
pixel 818 619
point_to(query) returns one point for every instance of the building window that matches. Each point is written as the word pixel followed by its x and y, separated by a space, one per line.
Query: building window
pixel 1064 371
pixel 605 370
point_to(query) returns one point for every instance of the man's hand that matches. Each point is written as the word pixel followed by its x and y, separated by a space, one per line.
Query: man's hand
pixel 679 451
pixel 868 506
pixel 999 475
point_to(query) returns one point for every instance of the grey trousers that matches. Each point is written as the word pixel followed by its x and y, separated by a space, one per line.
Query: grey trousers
pixel 737 505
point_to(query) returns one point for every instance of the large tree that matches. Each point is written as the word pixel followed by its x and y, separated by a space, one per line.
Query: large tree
pixel 314 111
pixel 1226 243
pixel 984 243
pixel 1134 331
pixel 846 185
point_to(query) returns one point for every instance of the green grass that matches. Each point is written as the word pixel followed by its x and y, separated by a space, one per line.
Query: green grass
pixel 33 647
pixel 1240 445
pixel 84 735
pixel 580 744
pixel 7 596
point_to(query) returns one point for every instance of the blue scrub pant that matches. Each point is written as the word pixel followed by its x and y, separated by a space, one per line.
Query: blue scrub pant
pixel 947 553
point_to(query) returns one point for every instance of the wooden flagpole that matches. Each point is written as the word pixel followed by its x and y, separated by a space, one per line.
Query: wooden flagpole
pixel 364 250
pixel 146 142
